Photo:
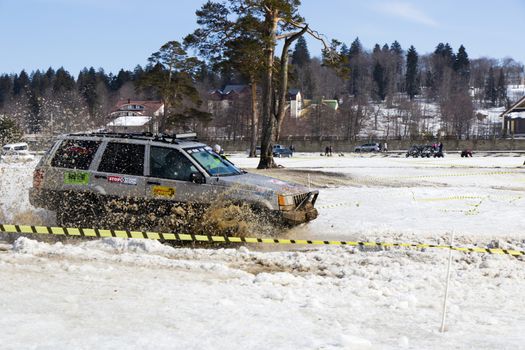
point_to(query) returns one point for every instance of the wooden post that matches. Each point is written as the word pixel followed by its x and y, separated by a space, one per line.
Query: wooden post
pixel 443 316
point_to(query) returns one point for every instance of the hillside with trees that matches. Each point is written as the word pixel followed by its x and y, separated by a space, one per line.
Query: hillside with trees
pixel 388 91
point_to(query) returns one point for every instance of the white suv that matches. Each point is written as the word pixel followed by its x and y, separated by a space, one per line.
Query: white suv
pixel 82 173
pixel 368 147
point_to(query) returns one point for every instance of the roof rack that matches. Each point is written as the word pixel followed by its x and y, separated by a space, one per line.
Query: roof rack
pixel 175 138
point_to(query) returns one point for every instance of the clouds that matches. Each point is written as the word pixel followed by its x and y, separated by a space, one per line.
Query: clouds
pixel 405 11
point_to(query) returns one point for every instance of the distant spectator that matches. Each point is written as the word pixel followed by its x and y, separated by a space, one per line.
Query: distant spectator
pixel 326 151
pixel 438 153
pixel 385 147
pixel 466 153
pixel 380 146
pixel 330 149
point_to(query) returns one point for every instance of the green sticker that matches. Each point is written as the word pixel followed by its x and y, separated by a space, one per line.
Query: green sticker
pixel 76 178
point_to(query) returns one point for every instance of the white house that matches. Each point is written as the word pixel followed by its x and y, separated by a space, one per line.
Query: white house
pixel 135 116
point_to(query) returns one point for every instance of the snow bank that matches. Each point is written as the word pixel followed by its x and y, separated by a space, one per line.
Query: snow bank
pixel 138 294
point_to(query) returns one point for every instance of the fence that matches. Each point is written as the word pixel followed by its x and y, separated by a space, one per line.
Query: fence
pixel 318 144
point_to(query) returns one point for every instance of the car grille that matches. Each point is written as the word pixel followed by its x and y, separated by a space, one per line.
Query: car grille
pixel 298 199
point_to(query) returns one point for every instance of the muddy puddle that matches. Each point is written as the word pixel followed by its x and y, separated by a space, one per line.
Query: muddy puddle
pixel 322 179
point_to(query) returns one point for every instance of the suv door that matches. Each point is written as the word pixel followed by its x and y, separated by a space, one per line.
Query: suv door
pixel 68 169
pixel 120 172
pixel 170 172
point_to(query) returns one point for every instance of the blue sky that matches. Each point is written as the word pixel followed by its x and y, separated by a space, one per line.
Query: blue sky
pixel 114 34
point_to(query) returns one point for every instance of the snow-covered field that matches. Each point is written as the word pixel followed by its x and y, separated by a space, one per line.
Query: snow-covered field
pixel 141 294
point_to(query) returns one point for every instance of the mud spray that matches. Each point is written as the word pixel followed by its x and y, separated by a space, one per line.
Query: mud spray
pixel 220 217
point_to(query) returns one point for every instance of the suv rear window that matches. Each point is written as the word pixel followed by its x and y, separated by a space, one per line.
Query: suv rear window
pixel 75 154
pixel 123 158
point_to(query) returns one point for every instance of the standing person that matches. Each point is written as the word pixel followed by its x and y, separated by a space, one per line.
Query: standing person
pixel 217 149
pixel 385 147
pixel 326 151
pixel 330 149
pixel 292 148
pixel 380 147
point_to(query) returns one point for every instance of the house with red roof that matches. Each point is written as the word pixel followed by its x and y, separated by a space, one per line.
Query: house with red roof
pixel 135 116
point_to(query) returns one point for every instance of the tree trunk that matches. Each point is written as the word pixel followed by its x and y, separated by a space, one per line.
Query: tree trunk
pixel 253 127
pixel 283 79
pixel 164 117
pixel 283 90
pixel 268 125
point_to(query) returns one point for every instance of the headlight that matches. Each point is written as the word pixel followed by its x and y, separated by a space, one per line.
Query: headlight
pixel 285 200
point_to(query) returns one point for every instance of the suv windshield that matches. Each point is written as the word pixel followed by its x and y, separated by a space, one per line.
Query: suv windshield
pixel 214 164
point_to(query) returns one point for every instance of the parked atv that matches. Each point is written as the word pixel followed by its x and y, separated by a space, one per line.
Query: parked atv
pixel 414 151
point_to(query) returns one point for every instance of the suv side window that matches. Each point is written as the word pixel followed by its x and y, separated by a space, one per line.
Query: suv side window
pixel 123 158
pixel 75 154
pixel 169 163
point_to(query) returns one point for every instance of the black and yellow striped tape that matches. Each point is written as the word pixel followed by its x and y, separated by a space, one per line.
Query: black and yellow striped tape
pixel 103 233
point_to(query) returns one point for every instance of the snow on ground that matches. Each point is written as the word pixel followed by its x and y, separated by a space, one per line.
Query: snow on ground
pixel 389 197
pixel 116 293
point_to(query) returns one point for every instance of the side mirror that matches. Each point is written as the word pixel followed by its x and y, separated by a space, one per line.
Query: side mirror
pixel 197 178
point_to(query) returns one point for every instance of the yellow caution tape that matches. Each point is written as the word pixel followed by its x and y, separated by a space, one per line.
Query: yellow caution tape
pixel 451 198
pixel 485 173
pixel 328 206
pixel 95 232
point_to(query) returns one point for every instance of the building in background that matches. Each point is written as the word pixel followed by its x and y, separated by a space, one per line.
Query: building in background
pixel 135 116
pixel 514 119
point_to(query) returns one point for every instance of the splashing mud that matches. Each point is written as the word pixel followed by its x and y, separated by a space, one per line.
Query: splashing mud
pixel 220 217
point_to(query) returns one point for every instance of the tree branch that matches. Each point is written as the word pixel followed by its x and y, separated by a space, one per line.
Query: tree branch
pixel 291 34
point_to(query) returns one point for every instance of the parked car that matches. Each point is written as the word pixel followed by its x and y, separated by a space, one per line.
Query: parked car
pixel 16 152
pixel 257 151
pixel 82 173
pixel 368 147
pixel 280 151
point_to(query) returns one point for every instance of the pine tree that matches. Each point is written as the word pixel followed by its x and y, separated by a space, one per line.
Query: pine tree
pixel 138 71
pixel 63 81
pixel 122 77
pixel 21 83
pixel 445 52
pixel 344 50
pixel 301 55
pixel 491 94
pixel 6 89
pixel 9 131
pixel 50 74
pixel 87 87
pixel 379 80
pixel 462 65
pixel 412 86
pixel 379 73
pixel 501 89
pixel 171 75
pixel 396 48
pixel 397 79
pixel 356 67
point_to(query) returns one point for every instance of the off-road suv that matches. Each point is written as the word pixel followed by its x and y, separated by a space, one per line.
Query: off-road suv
pixel 82 173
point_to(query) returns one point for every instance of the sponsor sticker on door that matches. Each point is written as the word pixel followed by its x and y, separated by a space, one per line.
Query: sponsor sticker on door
pixel 163 191
pixel 123 180
pixel 76 178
